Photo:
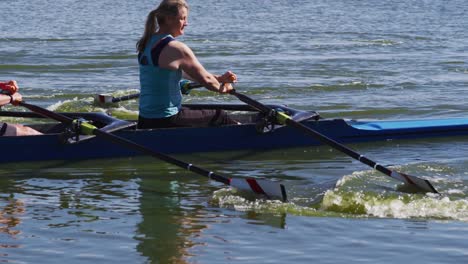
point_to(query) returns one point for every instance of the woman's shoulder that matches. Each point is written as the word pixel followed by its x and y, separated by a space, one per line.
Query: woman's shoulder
pixel 179 46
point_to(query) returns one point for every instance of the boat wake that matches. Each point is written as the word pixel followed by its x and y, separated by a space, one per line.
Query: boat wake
pixel 366 194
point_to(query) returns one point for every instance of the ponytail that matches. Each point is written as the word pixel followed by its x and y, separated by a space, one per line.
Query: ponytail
pixel 150 29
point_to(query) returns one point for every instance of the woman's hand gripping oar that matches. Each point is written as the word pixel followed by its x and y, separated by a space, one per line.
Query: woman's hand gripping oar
pixel 268 188
pixel 282 118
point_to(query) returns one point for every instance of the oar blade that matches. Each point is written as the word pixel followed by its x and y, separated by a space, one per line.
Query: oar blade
pixel 268 188
pixel 414 182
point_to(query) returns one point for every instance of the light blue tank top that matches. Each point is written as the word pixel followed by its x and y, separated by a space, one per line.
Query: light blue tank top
pixel 160 94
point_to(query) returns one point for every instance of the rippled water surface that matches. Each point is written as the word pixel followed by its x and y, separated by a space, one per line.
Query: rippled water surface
pixel 350 59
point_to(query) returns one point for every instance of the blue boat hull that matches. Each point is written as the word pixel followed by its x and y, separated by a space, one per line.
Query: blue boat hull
pixel 228 138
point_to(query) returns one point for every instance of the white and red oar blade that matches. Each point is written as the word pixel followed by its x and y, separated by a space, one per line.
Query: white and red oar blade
pixel 271 189
pixel 103 98
pixel 414 182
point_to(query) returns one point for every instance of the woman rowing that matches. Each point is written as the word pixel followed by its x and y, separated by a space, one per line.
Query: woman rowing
pixel 9 94
pixel 163 62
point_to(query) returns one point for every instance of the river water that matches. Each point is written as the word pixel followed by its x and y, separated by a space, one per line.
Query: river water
pixel 362 59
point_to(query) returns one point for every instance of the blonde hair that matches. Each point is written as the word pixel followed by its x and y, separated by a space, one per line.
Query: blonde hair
pixel 157 17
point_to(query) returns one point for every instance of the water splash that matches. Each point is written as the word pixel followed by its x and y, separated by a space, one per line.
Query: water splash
pixel 366 194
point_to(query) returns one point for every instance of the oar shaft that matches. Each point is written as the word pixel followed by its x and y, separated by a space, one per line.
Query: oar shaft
pixel 328 141
pixel 415 181
pixel 324 139
pixel 125 98
pixel 161 156
pixel 46 113
pixel 259 186
pixel 130 144
pixel 411 180
pixel 255 104
pixel 137 95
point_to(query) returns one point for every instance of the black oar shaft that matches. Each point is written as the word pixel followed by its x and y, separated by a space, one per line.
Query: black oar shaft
pixel 420 183
pixel 255 104
pixel 161 156
pixel 328 141
pixel 324 139
pixel 125 98
pixel 137 95
pixel 46 113
pixel 131 145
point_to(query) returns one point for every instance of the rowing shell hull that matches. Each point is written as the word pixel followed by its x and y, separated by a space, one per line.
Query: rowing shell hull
pixel 228 138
